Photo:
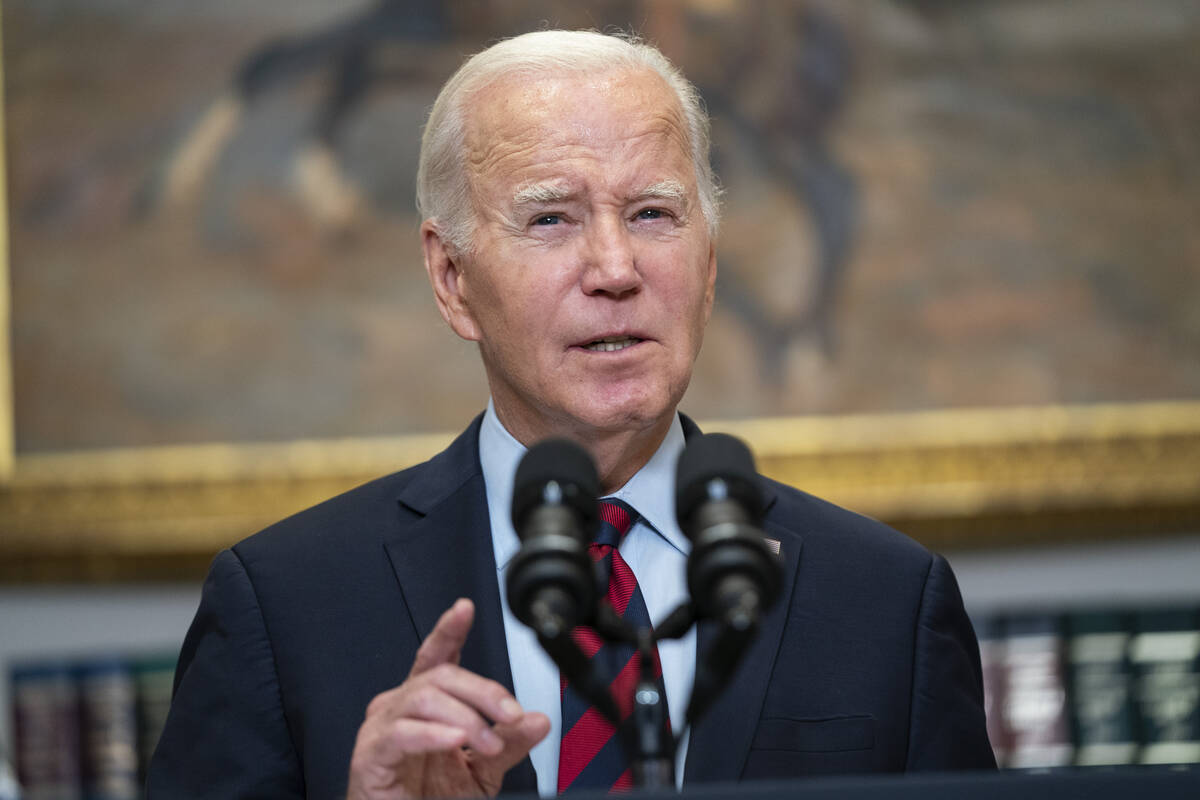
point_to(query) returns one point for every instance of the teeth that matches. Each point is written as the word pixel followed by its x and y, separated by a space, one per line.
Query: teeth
pixel 611 343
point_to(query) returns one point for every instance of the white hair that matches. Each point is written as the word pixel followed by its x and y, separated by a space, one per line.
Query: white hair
pixel 443 187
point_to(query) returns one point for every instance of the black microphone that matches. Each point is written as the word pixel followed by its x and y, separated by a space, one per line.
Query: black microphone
pixel 732 574
pixel 551 584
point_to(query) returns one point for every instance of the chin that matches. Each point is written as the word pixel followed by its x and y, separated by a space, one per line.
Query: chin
pixel 626 415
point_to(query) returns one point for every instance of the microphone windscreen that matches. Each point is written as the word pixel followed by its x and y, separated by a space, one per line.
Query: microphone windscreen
pixel 710 456
pixel 564 464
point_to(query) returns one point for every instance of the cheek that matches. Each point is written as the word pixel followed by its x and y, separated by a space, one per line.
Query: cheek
pixel 520 323
pixel 496 300
pixel 688 296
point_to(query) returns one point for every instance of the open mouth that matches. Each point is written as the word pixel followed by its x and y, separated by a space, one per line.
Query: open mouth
pixel 611 344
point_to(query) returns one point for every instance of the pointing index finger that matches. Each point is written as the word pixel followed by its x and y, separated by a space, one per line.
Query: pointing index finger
pixel 444 643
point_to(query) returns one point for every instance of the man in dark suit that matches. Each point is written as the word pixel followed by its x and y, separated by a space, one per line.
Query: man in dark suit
pixel 570 225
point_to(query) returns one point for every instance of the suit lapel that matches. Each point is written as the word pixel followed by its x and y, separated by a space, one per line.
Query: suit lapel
pixel 444 553
pixel 721 740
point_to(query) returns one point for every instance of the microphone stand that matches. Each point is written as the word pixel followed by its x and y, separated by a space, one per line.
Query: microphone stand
pixel 717 666
pixel 646 734
pixel 654 759
pixel 553 628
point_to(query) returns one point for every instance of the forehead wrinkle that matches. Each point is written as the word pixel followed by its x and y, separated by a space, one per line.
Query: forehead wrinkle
pixel 518 127
pixel 548 134
pixel 501 149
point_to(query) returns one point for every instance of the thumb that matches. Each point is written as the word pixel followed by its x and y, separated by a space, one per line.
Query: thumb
pixel 519 738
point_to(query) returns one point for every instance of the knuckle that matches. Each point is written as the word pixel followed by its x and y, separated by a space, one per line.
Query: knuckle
pixel 424 700
pixel 442 672
pixel 377 704
pixel 398 731
pixel 495 693
pixel 382 702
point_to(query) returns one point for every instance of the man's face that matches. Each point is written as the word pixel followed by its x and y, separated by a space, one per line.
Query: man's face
pixel 591 278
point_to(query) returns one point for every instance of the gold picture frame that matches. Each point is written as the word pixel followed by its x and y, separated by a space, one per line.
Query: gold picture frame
pixel 952 479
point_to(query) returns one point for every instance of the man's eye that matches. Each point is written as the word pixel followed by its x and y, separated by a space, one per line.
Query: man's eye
pixel 650 213
pixel 547 219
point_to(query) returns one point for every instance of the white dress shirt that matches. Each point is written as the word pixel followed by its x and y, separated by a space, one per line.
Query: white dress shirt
pixel 657 554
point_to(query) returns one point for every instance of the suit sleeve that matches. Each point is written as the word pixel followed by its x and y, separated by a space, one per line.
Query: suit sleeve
pixel 226 736
pixel 947 726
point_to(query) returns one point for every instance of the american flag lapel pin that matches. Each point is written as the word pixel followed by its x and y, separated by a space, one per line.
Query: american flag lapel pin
pixel 773 544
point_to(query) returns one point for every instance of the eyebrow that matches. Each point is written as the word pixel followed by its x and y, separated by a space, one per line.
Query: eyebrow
pixel 541 193
pixel 664 190
pixel 532 193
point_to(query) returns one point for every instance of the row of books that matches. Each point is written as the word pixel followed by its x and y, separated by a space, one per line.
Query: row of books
pixel 85 729
pixel 1093 688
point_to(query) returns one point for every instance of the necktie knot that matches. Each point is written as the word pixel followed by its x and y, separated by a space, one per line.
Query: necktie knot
pixel 616 519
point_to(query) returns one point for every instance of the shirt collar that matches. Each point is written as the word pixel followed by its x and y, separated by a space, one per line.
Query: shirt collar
pixel 651 490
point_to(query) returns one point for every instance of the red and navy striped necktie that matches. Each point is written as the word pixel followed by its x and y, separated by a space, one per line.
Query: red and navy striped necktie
pixel 592 755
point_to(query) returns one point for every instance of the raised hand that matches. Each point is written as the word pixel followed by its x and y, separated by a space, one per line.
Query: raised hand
pixel 444 731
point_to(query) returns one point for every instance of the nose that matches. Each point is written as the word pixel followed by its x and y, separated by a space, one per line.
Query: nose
pixel 610 264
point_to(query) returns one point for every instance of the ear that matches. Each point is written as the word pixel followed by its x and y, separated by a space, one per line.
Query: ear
pixel 710 289
pixel 444 265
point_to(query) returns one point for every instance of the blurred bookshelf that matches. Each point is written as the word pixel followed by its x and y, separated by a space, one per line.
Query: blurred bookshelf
pixel 1097 688
pixel 1075 690
pixel 86 727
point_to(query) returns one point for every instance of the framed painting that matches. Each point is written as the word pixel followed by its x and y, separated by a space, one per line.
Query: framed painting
pixel 958 265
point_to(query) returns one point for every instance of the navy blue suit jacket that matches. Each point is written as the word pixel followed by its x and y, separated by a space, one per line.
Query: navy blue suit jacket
pixel 867 663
